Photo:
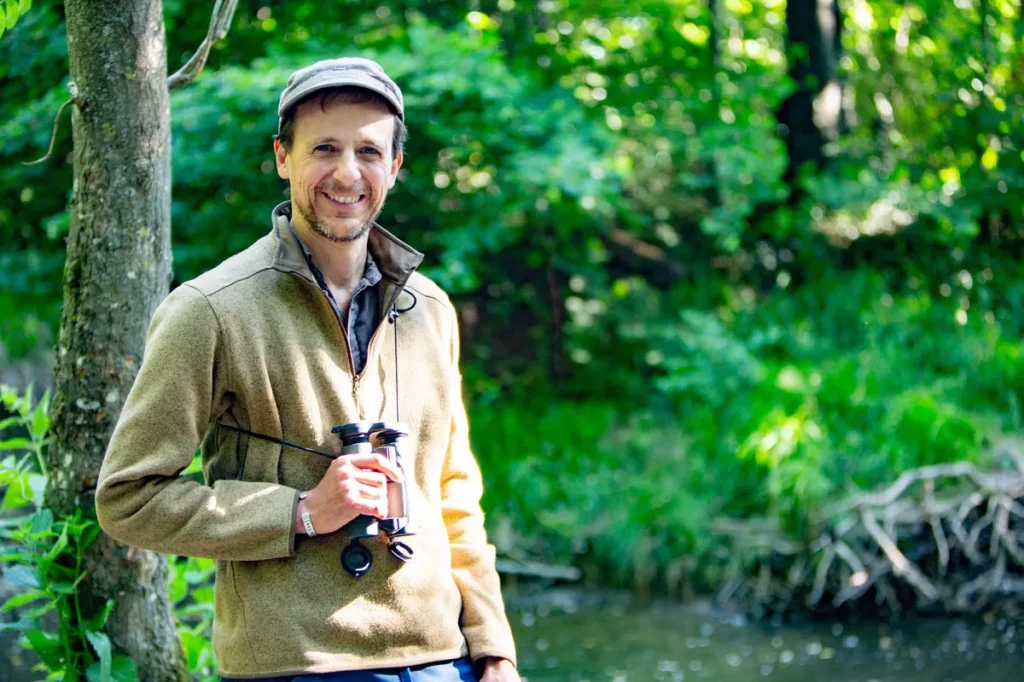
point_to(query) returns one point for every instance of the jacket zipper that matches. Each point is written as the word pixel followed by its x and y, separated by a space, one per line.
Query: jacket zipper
pixel 356 377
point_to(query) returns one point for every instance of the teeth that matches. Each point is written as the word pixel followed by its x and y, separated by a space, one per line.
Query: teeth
pixel 343 200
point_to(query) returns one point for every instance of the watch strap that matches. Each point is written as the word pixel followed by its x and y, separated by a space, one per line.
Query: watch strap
pixel 307 522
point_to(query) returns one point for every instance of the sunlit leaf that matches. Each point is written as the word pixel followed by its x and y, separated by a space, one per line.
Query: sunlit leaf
pixel 21 576
pixel 100 671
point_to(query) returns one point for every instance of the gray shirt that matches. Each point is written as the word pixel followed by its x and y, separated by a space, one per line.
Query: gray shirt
pixel 363 311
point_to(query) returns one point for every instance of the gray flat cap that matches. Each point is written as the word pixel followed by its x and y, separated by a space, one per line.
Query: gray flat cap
pixel 335 73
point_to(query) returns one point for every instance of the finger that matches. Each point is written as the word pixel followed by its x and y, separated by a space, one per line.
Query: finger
pixel 376 509
pixel 372 507
pixel 377 463
pixel 370 478
pixel 372 493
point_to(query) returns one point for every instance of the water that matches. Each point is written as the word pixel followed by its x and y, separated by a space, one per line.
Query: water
pixel 570 642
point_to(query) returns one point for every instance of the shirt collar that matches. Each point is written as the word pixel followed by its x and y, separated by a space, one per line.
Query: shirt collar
pixel 371 273
pixel 394 259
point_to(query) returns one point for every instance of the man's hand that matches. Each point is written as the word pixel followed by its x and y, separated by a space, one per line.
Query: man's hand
pixel 499 670
pixel 353 485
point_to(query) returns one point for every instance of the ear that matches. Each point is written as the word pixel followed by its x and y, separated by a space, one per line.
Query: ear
pixel 281 156
pixel 395 165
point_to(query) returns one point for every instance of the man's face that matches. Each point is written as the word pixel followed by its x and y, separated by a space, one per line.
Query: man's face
pixel 340 166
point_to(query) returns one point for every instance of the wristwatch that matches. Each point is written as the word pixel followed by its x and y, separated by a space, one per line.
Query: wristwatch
pixel 306 520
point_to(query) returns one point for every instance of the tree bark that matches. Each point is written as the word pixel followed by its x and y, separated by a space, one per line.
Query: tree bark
pixel 117 272
pixel 812 113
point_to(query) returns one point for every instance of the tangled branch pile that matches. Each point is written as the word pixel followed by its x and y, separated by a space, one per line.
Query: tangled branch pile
pixel 945 538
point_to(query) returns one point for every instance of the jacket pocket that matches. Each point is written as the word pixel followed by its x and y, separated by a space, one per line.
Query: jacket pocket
pixel 224 454
pixel 260 463
pixel 232 455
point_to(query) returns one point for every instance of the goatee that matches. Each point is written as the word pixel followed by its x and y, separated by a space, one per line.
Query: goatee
pixel 317 223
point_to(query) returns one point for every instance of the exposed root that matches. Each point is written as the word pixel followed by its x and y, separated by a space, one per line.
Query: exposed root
pixel 944 538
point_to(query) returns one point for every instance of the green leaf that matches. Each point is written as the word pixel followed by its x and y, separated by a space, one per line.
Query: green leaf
pixel 42 521
pixel 59 545
pixel 21 576
pixel 123 670
pixel 26 400
pixel 35 613
pixel 24 6
pixel 48 648
pixel 40 418
pixel 89 535
pixel 100 619
pixel 18 494
pixel 15 557
pixel 15 444
pixel 23 491
pixel 12 15
pixel 101 644
pixel 21 599
pixel 40 422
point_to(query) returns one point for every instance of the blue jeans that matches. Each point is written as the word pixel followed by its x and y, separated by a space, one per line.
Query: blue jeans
pixel 451 671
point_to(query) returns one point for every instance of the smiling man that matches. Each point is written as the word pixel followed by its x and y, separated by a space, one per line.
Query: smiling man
pixel 322 322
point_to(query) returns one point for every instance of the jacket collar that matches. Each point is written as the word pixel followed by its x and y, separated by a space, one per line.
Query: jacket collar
pixel 395 259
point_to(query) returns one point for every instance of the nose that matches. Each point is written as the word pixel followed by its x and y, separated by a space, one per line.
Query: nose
pixel 346 171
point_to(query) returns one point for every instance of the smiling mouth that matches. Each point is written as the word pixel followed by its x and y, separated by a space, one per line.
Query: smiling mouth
pixel 345 199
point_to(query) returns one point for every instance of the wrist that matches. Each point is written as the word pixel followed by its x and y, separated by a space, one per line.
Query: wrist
pixel 304 522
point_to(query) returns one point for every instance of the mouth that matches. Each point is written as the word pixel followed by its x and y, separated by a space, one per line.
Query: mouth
pixel 344 199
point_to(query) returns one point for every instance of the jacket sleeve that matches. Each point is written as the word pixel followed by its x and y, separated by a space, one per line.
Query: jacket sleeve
pixel 141 498
pixel 484 623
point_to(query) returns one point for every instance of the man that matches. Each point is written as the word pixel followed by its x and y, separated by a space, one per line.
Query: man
pixel 322 322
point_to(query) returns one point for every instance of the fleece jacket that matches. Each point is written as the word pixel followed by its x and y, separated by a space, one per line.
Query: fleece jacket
pixel 254 344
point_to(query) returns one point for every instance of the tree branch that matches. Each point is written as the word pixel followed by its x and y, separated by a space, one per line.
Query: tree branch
pixel 77 101
pixel 220 22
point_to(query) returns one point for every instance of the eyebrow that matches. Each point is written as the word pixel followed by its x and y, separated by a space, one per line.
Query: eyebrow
pixel 364 141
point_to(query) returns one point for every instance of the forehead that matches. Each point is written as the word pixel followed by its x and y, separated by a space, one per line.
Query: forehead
pixel 337 118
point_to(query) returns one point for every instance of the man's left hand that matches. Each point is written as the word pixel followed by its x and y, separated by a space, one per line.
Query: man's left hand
pixel 499 670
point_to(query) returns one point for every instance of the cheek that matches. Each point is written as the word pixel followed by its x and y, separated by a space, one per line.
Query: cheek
pixel 379 176
pixel 315 175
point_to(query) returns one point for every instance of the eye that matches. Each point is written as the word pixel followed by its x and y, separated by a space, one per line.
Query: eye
pixel 372 151
pixel 323 148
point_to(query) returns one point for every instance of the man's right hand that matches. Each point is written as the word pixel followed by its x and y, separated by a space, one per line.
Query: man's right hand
pixel 353 485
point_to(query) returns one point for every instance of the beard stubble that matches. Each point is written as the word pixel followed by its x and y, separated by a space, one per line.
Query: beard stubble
pixel 318 224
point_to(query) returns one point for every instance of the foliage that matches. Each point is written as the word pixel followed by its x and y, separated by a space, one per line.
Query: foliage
pixel 11 11
pixel 807 414
pixel 190 591
pixel 43 560
pixel 682 331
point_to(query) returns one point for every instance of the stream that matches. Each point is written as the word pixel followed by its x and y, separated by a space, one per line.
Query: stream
pixel 569 638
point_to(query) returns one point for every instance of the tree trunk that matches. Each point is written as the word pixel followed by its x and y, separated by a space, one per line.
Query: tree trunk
pixel 811 114
pixel 117 272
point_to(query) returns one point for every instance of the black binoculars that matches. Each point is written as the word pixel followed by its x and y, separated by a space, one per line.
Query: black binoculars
pixel 386 439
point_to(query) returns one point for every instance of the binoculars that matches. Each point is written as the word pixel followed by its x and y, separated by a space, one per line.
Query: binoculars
pixel 386 439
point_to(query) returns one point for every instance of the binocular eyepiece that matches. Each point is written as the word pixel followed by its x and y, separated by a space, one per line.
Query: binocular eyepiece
pixel 388 440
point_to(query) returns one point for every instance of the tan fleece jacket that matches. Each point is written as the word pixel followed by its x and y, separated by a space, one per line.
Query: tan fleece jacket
pixel 255 344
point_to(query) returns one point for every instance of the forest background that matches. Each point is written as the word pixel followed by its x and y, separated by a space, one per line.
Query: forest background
pixel 712 258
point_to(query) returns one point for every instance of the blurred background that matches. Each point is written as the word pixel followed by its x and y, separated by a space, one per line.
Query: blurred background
pixel 717 262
